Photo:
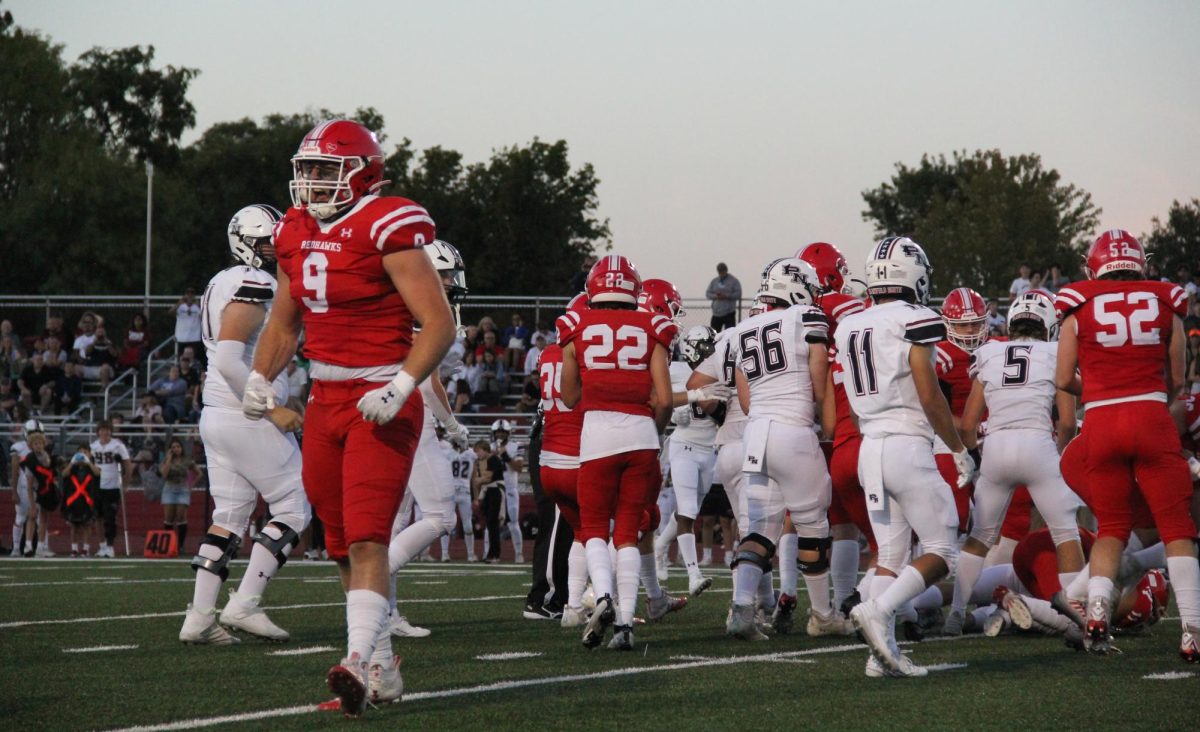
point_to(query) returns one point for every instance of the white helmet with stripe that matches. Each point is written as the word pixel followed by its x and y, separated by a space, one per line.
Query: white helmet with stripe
pixel 898 267
pixel 250 232
pixel 1034 306
pixel 790 281
pixel 30 427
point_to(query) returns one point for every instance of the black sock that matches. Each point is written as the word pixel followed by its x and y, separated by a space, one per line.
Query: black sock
pixel 181 531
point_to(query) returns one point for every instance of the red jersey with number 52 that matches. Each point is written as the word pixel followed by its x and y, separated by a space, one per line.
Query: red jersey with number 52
pixel 1124 327
pixel 561 428
pixel 613 349
pixel 353 316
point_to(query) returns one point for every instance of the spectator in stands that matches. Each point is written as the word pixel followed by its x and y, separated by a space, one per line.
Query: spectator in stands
pixel 297 386
pixel 54 329
pixel 1035 281
pixel 515 340
pixel 189 373
pixel 9 398
pixel 579 279
pixel 171 391
pixel 52 351
pixel 487 324
pixel 492 381
pixel 996 322
pixel 6 331
pixel 12 357
pixel 531 393
pixel 725 292
pixel 1192 287
pixel 36 385
pixel 472 368
pixel 548 335
pixel 187 325
pixel 148 412
pixel 535 353
pixel 85 334
pixel 68 390
pixel 178 471
pixel 470 338
pixel 1021 283
pixel 137 343
pixel 98 357
pixel 1055 278
pixel 489 345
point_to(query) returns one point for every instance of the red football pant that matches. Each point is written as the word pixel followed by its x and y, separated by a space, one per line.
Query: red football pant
pixel 561 486
pixel 1133 448
pixel 848 504
pixel 1019 516
pixel 619 488
pixel 962 496
pixel 1035 561
pixel 1073 465
pixel 355 471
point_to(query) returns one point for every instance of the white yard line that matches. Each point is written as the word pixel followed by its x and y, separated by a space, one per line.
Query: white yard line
pixel 1170 675
pixel 95 649
pixel 507 685
pixel 272 608
pixel 509 656
pixel 105 580
pixel 302 651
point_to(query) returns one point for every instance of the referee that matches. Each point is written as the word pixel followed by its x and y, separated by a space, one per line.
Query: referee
pixel 552 543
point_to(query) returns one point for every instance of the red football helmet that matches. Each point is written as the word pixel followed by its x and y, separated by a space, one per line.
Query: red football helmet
pixel 578 304
pixel 661 297
pixel 338 163
pixel 832 272
pixel 965 314
pixel 1115 250
pixel 613 278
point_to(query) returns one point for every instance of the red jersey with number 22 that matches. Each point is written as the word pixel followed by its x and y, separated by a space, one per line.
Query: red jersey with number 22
pixel 1124 328
pixel 613 349
pixel 353 315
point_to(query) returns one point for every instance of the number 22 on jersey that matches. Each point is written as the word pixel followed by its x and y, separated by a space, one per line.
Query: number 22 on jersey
pixel 629 343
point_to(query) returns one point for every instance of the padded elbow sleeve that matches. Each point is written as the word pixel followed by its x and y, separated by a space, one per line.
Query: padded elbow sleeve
pixel 231 366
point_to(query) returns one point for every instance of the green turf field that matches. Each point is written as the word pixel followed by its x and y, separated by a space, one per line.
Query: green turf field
pixel 685 673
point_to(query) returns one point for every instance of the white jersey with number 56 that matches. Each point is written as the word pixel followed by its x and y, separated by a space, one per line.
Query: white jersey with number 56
pixel 772 352
pixel 1018 383
pixel 872 350
pixel 235 284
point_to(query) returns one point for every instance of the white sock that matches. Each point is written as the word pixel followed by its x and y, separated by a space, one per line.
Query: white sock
pixel 599 566
pixel 414 539
pixel 1065 578
pixel 629 565
pixel 1100 587
pixel 864 584
pixel 469 538
pixel 706 555
pixel 748 575
pixel 818 592
pixel 74 547
pixel 930 599
pixel 208 585
pixel 1001 553
pixel 843 569
pixel 649 575
pixel 445 545
pixel 789 573
pixel 879 585
pixel 382 654
pixel 1078 589
pixel 1045 614
pixel 263 565
pixel 662 542
pixel 907 611
pixel 1184 573
pixel 687 553
pixel 969 569
pixel 577 575
pixel 16 536
pixel 1152 557
pixel 765 596
pixel 514 531
pixel 908 585
pixel 366 617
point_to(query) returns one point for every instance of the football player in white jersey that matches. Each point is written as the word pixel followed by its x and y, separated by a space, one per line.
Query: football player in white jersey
pixel 246 458
pixel 782 363
pixel 462 464
pixel 691 456
pixel 887 355
pixel 23 518
pixel 512 455
pixel 1014 382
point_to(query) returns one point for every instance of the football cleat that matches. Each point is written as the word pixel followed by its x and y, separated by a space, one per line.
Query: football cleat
pixel 45 552
pixel 742 624
pixel 854 598
pixel 244 614
pixel 908 669
pixel 1096 637
pixel 1189 645
pixel 539 612
pixel 1072 610
pixel 622 639
pixel 831 624
pixel 602 617
pixel 384 683
pixel 201 628
pixel 658 607
pixel 1014 605
pixel 589 598
pixel 348 680
pixel 930 619
pixel 784 616
pixel 996 623
pixel 573 617
pixel 401 628
pixel 519 558
pixel 698 586
pixel 954 623
pixel 874 626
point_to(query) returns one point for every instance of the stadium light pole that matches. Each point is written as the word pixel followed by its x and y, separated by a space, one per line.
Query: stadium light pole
pixel 149 219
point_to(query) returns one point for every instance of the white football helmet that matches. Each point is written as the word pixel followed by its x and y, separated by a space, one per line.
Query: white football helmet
pixel 698 344
pixel 898 267
pixel 790 281
pixel 30 427
pixel 1034 306
pixel 501 425
pixel 250 232
pixel 449 265
pixel 758 305
pixel 855 287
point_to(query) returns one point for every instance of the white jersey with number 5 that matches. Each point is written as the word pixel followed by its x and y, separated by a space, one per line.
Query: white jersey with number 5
pixel 772 352
pixel 720 366
pixel 1018 383
pixel 700 430
pixel 235 284
pixel 872 350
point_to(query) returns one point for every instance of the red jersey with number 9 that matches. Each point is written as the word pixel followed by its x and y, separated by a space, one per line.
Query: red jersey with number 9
pixel 1124 327
pixel 560 433
pixel 613 349
pixel 353 316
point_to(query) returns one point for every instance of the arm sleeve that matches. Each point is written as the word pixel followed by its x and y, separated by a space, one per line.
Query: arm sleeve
pixel 231 366
pixel 814 326
pixel 926 328
pixel 440 413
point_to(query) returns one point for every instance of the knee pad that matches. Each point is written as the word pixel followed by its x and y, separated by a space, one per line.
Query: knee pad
pixel 822 547
pixel 764 561
pixel 220 566
pixel 280 548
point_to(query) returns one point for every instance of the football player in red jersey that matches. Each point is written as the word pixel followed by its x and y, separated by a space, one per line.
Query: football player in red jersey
pixel 1125 334
pixel 352 274
pixel 615 368
pixel 965 314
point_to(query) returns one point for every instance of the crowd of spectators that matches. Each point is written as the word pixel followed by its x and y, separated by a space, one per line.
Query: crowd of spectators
pixel 499 367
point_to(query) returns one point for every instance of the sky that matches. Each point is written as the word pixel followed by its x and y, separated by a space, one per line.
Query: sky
pixel 720 131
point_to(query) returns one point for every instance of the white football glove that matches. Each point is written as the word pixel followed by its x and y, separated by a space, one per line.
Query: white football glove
pixel 258 396
pixel 383 404
pixel 965 465
pixel 457 434
pixel 682 416
pixel 1194 465
pixel 718 391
